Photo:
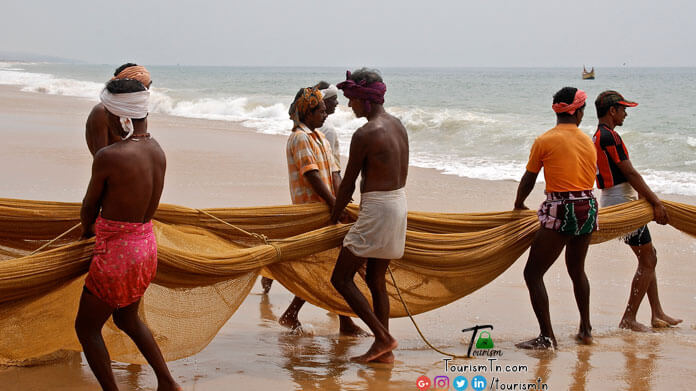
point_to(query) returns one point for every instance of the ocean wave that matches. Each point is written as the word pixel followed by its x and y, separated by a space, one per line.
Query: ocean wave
pixel 468 144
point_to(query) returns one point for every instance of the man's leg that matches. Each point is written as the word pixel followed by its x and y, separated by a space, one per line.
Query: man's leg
pixel 91 316
pixel 342 279
pixel 576 251
pixel 645 274
pixel 376 281
pixel 127 319
pixel 546 247
pixel 266 284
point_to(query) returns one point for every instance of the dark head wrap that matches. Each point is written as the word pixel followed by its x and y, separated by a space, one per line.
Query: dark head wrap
pixel 367 92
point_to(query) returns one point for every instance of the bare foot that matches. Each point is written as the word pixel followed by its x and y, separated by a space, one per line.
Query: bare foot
pixel 538 343
pixel 664 321
pixel 633 325
pixel 290 322
pixel 583 338
pixel 377 349
pixel 386 358
pixel 350 329
pixel 266 284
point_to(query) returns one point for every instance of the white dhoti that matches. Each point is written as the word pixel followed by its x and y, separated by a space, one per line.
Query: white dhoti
pixel 380 231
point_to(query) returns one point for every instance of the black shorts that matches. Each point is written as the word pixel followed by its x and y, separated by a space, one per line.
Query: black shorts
pixel 638 237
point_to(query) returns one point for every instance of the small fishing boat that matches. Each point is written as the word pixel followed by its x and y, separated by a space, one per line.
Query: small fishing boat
pixel 587 75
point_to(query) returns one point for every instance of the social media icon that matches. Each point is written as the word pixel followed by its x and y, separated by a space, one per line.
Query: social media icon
pixel 460 383
pixel 478 383
pixel 441 383
pixel 423 383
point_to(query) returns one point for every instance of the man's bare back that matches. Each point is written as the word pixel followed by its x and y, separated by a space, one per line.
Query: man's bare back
pixel 382 146
pixel 127 180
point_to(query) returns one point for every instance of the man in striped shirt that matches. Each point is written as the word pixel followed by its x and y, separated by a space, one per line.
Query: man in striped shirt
pixel 619 182
pixel 314 177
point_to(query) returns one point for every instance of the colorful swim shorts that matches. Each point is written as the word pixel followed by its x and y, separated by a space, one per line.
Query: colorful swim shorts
pixel 124 261
pixel 569 212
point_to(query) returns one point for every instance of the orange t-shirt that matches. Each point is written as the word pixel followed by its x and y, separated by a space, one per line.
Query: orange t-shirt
pixel 568 156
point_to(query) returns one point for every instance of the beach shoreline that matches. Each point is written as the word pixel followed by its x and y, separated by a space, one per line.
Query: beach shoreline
pixel 222 164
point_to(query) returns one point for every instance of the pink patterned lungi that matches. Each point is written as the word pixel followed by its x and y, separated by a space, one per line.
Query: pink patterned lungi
pixel 124 261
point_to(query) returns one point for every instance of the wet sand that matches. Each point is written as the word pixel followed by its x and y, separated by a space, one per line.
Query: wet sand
pixel 217 164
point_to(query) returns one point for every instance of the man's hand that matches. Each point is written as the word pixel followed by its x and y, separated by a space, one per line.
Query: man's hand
pixel 660 214
pixel 87 232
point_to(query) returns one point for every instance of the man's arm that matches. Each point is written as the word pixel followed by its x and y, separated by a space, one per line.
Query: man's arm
pixel 358 150
pixel 636 180
pixel 526 186
pixel 320 187
pixel 91 204
pixel 336 176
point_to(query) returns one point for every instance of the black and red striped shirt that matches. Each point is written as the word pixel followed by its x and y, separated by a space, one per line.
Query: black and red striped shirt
pixel 611 150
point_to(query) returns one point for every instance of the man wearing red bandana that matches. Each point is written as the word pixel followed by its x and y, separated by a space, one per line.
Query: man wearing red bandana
pixel 379 150
pixel 568 216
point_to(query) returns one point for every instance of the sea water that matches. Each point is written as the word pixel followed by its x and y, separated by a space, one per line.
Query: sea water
pixel 471 122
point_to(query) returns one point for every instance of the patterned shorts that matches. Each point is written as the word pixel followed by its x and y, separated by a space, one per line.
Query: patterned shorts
pixel 569 212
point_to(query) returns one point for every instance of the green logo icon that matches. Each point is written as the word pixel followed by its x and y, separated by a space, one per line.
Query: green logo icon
pixel 484 342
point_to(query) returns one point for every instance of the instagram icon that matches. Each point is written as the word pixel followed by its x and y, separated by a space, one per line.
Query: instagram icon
pixel 441 383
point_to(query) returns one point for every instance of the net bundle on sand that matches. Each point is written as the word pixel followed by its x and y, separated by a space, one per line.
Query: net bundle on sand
pixel 209 260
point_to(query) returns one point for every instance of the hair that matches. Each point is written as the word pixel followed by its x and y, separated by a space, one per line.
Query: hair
pixel 122 86
pixel 366 74
pixel 602 111
pixel 322 85
pixel 565 95
pixel 124 66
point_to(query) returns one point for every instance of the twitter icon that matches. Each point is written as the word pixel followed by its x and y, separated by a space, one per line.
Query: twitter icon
pixel 460 383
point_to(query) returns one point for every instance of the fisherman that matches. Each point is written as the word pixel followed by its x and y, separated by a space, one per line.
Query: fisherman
pixel 568 216
pixel 379 150
pixel 97 133
pixel 619 182
pixel 329 94
pixel 313 175
pixel 122 196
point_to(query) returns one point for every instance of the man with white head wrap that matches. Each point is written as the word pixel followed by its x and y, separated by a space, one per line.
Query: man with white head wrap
pixel 97 133
pixel 122 196
pixel 330 93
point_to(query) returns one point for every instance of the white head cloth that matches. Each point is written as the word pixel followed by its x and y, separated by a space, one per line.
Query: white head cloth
pixel 330 91
pixel 127 106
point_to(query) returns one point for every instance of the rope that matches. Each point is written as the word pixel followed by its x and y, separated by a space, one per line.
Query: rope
pixel 260 237
pixel 54 239
pixel 403 302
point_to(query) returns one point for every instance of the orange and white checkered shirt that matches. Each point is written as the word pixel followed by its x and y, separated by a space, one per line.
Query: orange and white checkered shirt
pixel 306 151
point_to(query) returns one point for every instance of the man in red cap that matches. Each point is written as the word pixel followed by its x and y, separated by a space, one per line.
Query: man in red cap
pixel 568 216
pixel 619 182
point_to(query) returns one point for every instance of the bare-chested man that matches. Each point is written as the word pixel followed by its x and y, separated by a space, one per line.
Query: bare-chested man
pixel 123 194
pixel 97 132
pixel 379 149
pixel 568 216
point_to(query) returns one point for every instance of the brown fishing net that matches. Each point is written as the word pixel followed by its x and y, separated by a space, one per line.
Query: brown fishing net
pixel 209 260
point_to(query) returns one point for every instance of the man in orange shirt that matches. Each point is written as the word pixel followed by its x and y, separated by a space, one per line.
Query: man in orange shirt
pixel 568 216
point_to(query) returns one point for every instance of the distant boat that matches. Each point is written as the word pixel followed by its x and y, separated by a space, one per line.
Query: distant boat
pixel 587 75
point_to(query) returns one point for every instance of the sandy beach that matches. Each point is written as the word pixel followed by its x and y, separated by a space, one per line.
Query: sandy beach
pixel 223 164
